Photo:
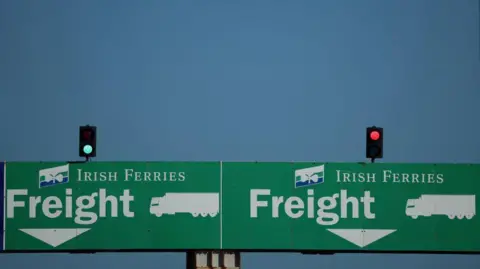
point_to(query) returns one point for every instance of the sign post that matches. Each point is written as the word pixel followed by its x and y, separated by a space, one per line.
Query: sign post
pixel 212 259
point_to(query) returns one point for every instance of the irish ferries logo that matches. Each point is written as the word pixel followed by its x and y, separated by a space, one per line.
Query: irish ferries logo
pixel 53 176
pixel 309 176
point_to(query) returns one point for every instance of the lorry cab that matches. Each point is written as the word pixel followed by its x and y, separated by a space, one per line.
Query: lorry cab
pixel 410 203
pixel 155 201
pixel 155 206
pixel 410 207
pixel 419 207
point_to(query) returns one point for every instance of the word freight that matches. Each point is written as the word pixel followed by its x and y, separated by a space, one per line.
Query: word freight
pixel 295 207
pixel 53 207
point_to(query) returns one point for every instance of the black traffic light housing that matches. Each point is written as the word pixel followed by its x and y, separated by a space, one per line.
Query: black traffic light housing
pixel 374 148
pixel 87 137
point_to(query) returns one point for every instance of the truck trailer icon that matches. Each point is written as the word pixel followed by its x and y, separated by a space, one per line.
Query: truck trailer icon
pixel 459 206
pixel 203 204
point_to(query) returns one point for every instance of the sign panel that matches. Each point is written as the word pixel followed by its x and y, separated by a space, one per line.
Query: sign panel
pixel 241 206
pixel 351 207
pixel 112 206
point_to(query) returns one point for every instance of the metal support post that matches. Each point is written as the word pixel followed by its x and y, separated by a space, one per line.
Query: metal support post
pixel 212 260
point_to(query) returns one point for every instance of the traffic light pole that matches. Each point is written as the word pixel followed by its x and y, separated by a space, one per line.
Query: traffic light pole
pixel 87 159
pixel 76 161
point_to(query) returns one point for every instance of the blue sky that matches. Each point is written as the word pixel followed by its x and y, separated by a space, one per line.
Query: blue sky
pixel 240 80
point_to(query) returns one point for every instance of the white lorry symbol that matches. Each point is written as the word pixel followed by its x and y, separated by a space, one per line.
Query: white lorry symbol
pixel 203 204
pixel 459 206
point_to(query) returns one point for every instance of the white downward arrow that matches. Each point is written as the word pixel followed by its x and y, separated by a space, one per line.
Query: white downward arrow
pixel 361 237
pixel 54 237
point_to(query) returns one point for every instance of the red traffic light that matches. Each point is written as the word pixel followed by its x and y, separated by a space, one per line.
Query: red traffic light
pixel 374 149
pixel 375 135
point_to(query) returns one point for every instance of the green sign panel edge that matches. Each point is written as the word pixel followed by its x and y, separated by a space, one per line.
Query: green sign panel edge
pixel 230 183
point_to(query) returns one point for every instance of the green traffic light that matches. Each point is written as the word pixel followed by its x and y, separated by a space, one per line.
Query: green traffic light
pixel 87 149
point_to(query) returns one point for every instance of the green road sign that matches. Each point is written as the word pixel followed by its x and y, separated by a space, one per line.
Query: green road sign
pixel 351 207
pixel 112 206
pixel 241 206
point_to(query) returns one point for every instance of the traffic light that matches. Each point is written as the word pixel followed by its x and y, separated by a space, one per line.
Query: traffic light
pixel 88 141
pixel 374 143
